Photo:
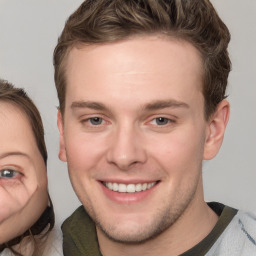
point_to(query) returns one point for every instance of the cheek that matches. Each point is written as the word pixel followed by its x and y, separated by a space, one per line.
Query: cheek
pixel 41 178
pixel 36 179
pixel 14 195
pixel 179 151
pixel 84 152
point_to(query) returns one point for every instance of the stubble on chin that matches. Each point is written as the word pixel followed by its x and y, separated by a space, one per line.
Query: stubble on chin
pixel 160 222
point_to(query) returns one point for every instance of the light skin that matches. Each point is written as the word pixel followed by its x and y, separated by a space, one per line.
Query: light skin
pixel 23 181
pixel 135 114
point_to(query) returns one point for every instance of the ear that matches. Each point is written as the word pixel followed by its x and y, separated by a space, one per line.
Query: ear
pixel 216 129
pixel 62 147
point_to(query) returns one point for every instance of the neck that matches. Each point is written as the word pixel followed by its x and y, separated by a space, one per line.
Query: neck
pixel 177 239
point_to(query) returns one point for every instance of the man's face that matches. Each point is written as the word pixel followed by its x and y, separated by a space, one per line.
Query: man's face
pixel 134 133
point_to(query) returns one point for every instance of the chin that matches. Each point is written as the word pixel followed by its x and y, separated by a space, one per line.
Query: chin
pixel 135 232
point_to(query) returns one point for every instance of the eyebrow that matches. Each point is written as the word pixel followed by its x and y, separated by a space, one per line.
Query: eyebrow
pixel 88 104
pixel 156 105
pixel 7 154
pixel 160 104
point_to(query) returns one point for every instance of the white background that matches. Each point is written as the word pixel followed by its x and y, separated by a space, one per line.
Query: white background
pixel 28 35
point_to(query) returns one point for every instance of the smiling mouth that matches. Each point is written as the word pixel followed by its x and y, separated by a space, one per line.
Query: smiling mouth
pixel 129 188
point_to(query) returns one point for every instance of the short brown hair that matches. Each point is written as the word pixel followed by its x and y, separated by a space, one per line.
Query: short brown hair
pixel 106 21
pixel 19 98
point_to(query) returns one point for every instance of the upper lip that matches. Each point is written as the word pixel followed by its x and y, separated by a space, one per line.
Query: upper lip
pixel 132 181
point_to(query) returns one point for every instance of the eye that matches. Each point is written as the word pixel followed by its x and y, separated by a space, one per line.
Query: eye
pixel 8 174
pixel 95 120
pixel 161 121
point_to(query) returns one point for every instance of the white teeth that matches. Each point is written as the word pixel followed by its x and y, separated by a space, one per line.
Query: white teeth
pixel 110 185
pixel 144 186
pixel 129 188
pixel 150 185
pixel 115 187
pixel 122 188
pixel 138 187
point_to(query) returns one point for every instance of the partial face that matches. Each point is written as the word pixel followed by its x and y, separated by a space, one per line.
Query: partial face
pixel 23 182
pixel 134 134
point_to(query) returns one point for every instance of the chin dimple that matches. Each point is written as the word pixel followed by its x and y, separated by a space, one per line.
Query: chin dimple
pixel 128 188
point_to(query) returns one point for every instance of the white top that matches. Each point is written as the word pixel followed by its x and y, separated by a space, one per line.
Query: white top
pixel 238 239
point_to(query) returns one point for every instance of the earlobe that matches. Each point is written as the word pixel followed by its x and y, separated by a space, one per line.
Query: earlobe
pixel 216 129
pixel 62 147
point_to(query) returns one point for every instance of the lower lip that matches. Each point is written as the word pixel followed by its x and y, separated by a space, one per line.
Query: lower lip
pixel 127 198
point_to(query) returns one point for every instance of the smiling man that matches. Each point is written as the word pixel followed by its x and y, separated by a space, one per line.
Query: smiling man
pixel 142 87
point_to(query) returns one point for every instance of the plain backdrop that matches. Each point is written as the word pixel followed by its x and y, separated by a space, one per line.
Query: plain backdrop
pixel 28 34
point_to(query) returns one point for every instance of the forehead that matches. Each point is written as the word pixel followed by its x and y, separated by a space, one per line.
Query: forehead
pixel 15 130
pixel 138 67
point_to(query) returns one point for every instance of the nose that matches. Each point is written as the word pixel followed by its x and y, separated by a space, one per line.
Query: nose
pixel 126 148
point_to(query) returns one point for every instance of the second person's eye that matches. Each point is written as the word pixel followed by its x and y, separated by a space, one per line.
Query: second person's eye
pixel 8 174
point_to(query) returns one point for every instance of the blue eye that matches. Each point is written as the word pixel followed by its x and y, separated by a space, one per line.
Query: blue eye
pixel 162 121
pixel 8 174
pixel 96 120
